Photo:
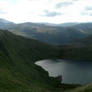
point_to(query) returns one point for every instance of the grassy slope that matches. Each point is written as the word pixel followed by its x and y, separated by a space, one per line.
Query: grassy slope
pixel 18 73
pixel 87 88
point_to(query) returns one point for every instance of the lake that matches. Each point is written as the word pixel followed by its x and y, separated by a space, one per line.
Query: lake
pixel 73 72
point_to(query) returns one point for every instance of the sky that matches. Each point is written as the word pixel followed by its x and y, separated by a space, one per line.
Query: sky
pixel 48 11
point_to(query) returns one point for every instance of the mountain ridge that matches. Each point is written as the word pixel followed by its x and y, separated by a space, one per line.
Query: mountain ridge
pixel 55 35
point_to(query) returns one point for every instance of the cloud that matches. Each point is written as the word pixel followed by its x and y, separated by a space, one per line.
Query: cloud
pixel 2 11
pixel 52 11
pixel 87 13
pixel 51 14
pixel 88 8
pixel 63 4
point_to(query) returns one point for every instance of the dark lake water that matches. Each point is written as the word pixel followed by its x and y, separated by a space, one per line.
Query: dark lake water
pixel 76 72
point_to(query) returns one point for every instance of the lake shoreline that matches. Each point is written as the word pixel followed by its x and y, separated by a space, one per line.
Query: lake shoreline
pixel 68 67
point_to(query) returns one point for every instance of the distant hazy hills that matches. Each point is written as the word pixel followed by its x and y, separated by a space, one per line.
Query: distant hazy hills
pixel 5 24
pixel 59 34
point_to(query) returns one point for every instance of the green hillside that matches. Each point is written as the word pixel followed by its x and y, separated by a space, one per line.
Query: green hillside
pixel 87 88
pixel 18 73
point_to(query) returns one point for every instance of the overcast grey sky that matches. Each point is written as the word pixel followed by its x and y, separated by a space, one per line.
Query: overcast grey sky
pixel 51 11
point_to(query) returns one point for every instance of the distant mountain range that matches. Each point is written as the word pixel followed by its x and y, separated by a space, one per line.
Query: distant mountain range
pixel 5 24
pixel 59 34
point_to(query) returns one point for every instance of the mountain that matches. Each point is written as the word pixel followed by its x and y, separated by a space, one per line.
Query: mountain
pixel 49 34
pixel 55 35
pixel 79 50
pixel 59 34
pixel 18 72
pixel 83 42
pixel 5 23
pixel 68 24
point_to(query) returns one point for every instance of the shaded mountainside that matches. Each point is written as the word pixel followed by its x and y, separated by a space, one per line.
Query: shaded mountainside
pixel 18 73
pixel 76 53
pixel 78 50
pixel 83 42
pixel 49 34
